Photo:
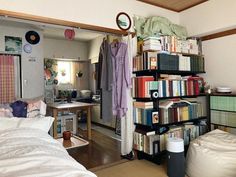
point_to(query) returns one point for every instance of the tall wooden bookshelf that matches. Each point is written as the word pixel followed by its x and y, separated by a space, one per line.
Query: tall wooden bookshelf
pixel 148 131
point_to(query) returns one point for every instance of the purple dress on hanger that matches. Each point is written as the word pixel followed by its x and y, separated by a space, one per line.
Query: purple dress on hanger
pixel 121 78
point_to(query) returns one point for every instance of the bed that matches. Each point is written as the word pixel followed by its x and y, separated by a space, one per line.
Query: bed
pixel 27 150
pixel 212 155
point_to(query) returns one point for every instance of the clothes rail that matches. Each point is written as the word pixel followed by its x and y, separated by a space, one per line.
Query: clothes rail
pixel 9 53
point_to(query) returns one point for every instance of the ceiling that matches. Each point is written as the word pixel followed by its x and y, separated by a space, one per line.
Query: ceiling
pixel 174 5
pixel 51 31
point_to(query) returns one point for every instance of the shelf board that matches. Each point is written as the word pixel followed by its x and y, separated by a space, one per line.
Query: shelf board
pixel 174 72
pixel 221 110
pixel 223 125
pixel 142 99
pixel 171 53
pixel 163 98
pixel 155 126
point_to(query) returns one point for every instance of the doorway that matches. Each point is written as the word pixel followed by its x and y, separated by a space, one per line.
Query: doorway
pixel 81 54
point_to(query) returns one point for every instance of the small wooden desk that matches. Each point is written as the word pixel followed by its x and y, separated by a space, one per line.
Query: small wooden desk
pixel 73 107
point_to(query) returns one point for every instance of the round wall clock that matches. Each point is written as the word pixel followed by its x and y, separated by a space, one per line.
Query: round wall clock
pixel 27 48
pixel 123 21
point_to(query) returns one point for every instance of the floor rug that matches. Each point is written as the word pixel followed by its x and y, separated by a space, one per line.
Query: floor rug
pixel 135 168
pixel 102 130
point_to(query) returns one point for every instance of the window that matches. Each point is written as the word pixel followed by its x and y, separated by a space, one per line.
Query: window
pixel 64 71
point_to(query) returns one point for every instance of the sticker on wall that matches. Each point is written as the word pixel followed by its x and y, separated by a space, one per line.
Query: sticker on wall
pixel 27 48
pixel 13 44
pixel 32 37
pixel 69 34
pixel 32 59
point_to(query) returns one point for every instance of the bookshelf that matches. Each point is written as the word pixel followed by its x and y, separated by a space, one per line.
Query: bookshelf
pixel 175 79
pixel 223 112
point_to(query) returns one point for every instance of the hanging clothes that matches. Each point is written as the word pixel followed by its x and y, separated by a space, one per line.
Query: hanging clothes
pixel 121 78
pixel 105 84
pixel 127 124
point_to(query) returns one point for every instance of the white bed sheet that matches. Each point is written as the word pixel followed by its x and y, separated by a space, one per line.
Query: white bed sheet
pixel 26 152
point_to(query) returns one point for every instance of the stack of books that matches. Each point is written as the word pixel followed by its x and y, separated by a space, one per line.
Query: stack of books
pixel 177 111
pixel 152 43
pixel 142 113
pixel 142 86
pixel 152 143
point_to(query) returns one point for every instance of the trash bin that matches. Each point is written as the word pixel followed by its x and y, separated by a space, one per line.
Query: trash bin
pixel 175 157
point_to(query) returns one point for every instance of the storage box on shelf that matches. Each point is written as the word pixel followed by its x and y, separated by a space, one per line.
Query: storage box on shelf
pixel 223 112
pixel 174 77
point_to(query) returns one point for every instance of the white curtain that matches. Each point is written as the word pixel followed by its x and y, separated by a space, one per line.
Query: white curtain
pixel 17 76
pixel 127 123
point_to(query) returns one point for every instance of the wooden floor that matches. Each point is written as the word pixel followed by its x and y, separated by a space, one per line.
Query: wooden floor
pixel 100 151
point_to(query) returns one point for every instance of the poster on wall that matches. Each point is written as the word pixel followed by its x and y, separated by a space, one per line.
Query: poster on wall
pixel 13 44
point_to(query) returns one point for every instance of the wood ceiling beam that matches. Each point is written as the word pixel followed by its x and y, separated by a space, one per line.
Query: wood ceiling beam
pixel 54 21
pixel 219 34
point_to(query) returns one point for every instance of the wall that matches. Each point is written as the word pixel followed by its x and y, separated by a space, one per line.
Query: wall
pixel 220 61
pixel 208 17
pixel 61 48
pixel 100 13
pixel 32 71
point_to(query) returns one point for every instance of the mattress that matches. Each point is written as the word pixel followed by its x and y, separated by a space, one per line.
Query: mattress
pixel 28 152
pixel 212 155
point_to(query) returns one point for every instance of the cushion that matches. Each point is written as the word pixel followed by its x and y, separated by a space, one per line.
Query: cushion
pixel 213 154
pixel 5 110
pixel 19 108
pixel 43 124
pixel 36 109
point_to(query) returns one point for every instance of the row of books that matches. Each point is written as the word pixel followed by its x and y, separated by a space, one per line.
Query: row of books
pixel 144 114
pixel 171 44
pixel 223 118
pixel 142 86
pixel 227 103
pixel 162 61
pixel 179 111
pixel 183 86
pixel 152 143
pixel 224 128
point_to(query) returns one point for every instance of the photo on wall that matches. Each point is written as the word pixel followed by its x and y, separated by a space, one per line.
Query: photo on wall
pixel 13 44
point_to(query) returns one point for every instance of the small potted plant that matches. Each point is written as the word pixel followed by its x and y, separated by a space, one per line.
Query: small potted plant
pixel 79 74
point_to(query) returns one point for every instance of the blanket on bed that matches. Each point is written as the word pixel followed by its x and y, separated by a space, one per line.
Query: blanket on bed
pixel 26 152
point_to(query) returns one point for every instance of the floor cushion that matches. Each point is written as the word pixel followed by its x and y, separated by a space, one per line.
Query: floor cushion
pixel 212 155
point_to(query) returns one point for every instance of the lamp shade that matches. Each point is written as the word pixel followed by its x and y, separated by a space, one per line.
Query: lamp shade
pixel 69 34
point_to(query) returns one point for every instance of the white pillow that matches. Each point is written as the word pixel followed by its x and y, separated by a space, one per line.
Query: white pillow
pixel 43 124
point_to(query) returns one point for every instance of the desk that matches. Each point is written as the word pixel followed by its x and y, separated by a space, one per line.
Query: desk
pixel 73 107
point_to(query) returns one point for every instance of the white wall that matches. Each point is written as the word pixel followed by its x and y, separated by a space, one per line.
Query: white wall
pixel 220 59
pixel 32 71
pixel 65 49
pixel 208 17
pixel 94 12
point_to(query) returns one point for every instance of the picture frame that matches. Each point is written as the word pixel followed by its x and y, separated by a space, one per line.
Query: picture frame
pixel 155 117
pixel 13 44
pixel 123 21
